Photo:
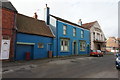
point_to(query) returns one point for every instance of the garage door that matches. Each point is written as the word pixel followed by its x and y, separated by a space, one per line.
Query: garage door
pixel 21 50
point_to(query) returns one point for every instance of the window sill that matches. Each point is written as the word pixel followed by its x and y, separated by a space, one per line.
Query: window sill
pixel 82 50
pixel 64 51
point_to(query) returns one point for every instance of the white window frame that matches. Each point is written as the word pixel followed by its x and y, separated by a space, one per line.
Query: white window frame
pixel 82 45
pixel 64 29
pixel 82 33
pixel 74 32
pixel 63 46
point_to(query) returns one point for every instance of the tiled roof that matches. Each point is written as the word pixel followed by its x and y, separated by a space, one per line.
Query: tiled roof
pixel 31 25
pixel 66 21
pixel 8 5
pixel 88 25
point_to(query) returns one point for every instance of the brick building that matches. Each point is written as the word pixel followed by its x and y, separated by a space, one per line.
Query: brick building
pixel 8 30
pixel 112 44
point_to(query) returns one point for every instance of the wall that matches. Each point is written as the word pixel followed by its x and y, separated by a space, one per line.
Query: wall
pixel 37 52
pixel 8 28
pixel 69 35
pixel 94 45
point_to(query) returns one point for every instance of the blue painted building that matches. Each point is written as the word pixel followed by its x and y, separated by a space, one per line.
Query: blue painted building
pixel 71 38
pixel 33 36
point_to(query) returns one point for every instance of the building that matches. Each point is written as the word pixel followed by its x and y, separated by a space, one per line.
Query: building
pixel 97 37
pixel 118 39
pixel 71 38
pixel 8 30
pixel 34 37
pixel 112 44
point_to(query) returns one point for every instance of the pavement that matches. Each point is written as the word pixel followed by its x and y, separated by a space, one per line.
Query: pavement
pixel 66 67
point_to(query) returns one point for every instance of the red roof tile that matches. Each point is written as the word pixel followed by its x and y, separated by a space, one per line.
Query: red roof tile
pixel 88 25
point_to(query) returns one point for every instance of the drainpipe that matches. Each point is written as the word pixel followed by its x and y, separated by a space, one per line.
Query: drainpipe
pixel 57 37
pixel 15 36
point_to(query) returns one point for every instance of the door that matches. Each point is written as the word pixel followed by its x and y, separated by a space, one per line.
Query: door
pixel 74 48
pixel 88 49
pixel 99 47
pixel 49 47
pixel 21 51
pixel 5 48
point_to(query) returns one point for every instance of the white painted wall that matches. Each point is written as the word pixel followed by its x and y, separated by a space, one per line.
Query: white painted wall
pixel 93 45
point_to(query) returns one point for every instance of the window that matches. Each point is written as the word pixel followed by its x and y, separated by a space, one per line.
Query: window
pixel 40 45
pixel 82 34
pixel 93 35
pixel 64 45
pixel 98 36
pixel 64 30
pixel 74 31
pixel 82 45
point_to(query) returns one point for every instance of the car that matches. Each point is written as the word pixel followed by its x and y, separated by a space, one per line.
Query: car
pixel 96 53
pixel 117 61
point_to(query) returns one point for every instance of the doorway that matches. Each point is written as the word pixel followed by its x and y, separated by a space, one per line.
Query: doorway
pixel 74 48
pixel 99 47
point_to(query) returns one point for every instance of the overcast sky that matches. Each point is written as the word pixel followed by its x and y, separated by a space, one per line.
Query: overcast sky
pixel 104 11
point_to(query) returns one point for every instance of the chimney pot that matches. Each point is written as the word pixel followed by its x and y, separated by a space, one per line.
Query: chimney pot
pixel 35 15
pixel 80 22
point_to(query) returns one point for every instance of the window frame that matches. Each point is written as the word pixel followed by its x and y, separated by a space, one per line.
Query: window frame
pixel 83 48
pixel 62 44
pixel 64 30
pixel 74 32
pixel 40 45
pixel 82 33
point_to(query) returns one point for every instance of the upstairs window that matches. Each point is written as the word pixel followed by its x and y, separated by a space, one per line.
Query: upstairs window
pixel 82 34
pixel 74 31
pixel 93 35
pixel 64 29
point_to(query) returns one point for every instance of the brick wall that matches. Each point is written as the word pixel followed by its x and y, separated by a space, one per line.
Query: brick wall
pixel 8 28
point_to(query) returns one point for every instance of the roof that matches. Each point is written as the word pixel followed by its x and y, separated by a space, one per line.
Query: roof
pixel 66 21
pixel 31 25
pixel 8 5
pixel 88 25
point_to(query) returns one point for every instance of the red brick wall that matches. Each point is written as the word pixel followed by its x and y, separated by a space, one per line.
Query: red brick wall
pixel 8 24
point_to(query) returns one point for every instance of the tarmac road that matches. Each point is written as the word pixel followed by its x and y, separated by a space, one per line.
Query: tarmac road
pixel 79 67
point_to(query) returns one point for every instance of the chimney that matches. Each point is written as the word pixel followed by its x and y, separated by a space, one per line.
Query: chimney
pixel 47 15
pixel 35 15
pixel 80 22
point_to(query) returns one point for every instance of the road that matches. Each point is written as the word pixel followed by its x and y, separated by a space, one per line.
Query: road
pixel 79 67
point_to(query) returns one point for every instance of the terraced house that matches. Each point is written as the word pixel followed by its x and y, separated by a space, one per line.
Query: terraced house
pixel 71 38
pixel 33 37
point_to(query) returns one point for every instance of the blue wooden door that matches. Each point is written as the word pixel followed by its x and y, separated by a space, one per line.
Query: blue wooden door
pixel 21 51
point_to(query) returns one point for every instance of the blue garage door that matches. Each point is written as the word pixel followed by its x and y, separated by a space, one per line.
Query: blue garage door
pixel 21 51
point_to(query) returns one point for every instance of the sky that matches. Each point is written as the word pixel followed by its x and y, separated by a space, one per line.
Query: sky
pixel 104 11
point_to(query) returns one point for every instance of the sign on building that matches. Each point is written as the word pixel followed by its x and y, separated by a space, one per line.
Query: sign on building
pixel 5 48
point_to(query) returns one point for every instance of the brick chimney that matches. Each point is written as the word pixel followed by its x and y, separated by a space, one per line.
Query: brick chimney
pixel 35 15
